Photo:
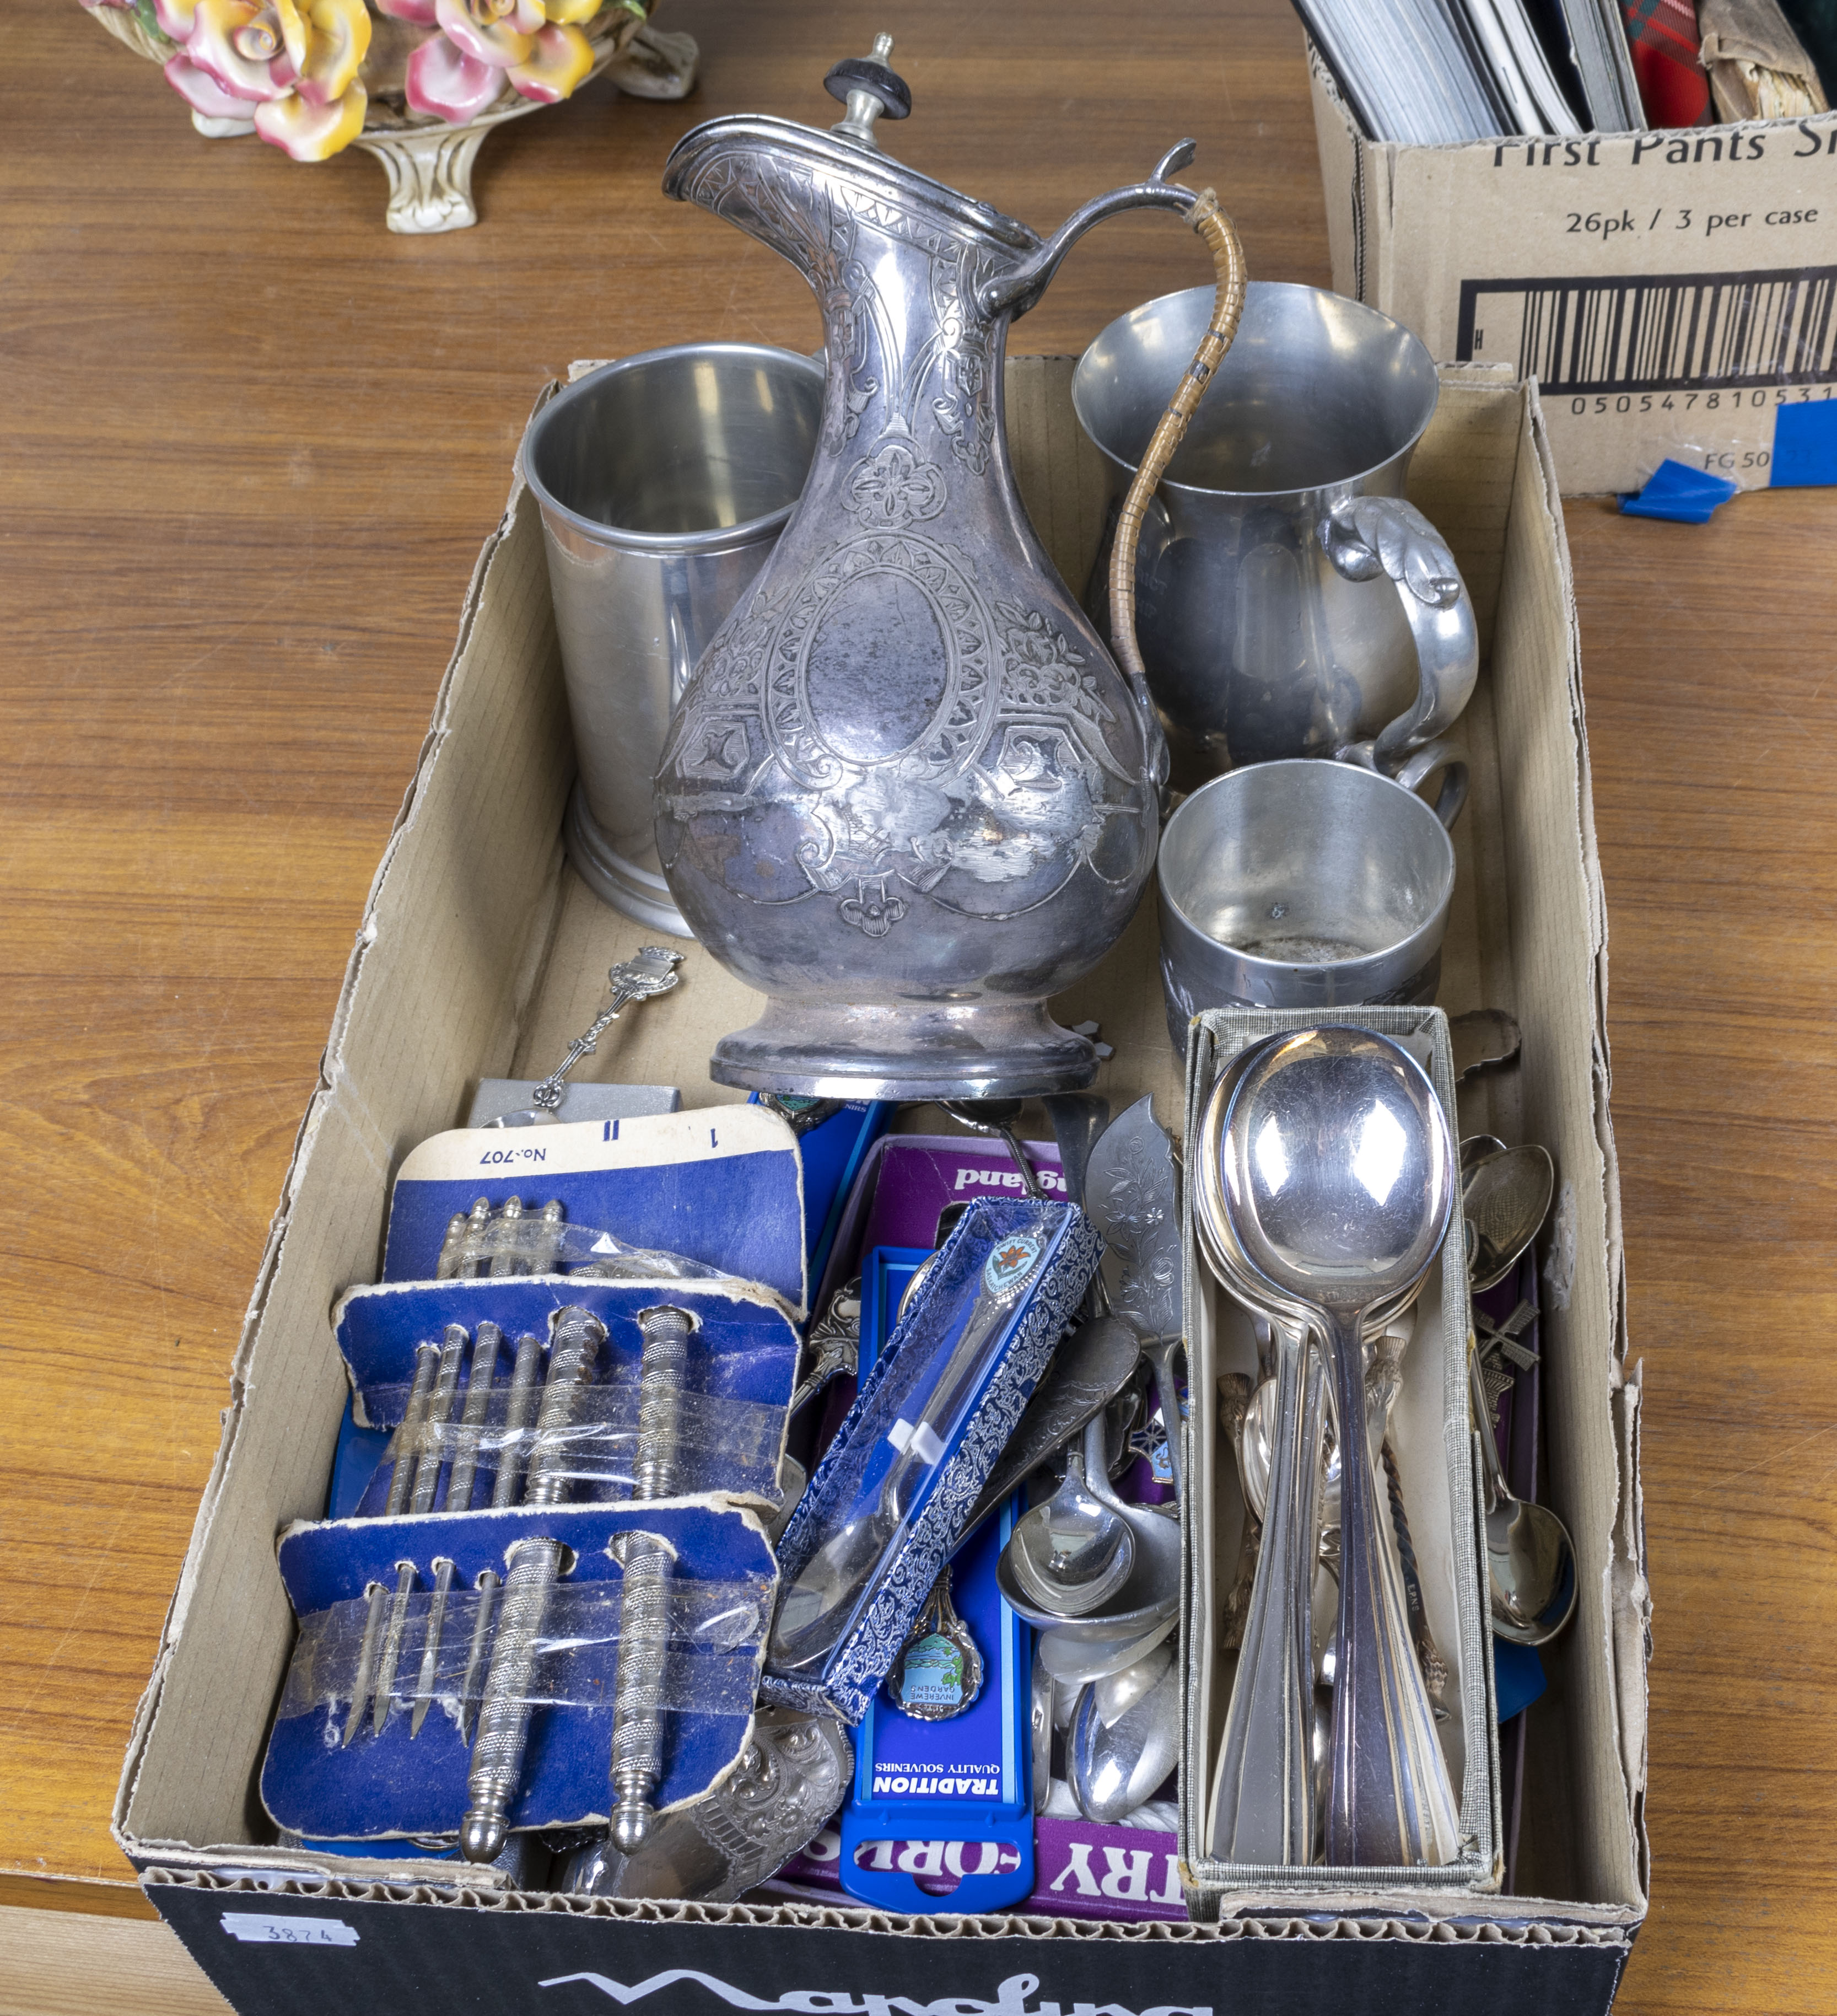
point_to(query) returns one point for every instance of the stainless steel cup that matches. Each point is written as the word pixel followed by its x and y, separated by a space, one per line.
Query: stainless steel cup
pixel 1289 601
pixel 665 480
pixel 1304 884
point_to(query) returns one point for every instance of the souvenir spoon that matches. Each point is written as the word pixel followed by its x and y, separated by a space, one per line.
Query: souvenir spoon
pixel 863 1537
pixel 1339 1177
pixel 652 972
pixel 1506 1196
pixel 1090 1367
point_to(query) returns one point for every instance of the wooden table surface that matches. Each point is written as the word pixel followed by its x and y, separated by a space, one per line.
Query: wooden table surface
pixel 250 444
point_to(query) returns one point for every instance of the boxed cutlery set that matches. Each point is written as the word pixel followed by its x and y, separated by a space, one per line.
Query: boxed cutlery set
pixel 853 1502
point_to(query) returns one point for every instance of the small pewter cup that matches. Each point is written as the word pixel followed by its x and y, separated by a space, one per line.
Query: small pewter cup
pixel 1306 884
pixel 664 479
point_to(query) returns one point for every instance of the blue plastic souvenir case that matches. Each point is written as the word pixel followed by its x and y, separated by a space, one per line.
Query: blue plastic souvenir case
pixel 952 1798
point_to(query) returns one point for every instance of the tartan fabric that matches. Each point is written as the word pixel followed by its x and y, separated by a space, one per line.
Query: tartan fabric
pixel 1673 87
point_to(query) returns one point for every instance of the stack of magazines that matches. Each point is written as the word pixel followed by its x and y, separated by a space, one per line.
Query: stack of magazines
pixel 1429 72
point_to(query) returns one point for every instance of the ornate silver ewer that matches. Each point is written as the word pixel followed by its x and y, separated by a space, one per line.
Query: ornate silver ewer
pixel 908 794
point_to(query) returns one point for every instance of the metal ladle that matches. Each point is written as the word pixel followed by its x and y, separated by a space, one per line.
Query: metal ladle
pixel 1339 1181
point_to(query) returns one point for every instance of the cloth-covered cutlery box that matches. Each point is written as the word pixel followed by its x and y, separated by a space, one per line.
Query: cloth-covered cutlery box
pixel 481 954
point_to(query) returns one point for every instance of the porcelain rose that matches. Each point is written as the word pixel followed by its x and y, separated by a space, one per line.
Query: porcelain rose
pixel 289 66
pixel 535 47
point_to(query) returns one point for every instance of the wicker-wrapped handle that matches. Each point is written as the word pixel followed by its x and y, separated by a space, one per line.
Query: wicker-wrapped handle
pixel 1228 256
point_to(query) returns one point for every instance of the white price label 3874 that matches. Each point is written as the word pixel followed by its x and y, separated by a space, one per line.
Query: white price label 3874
pixel 264 1928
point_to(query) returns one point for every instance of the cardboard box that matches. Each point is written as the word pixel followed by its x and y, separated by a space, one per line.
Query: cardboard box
pixel 1674 293
pixel 480 954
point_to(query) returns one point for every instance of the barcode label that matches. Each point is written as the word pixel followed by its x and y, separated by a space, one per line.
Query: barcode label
pixel 1692 331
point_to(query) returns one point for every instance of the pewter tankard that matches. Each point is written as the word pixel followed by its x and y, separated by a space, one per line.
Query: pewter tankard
pixel 1289 601
pixel 664 479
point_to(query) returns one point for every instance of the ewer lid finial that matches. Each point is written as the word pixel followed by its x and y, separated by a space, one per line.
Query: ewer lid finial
pixel 869 89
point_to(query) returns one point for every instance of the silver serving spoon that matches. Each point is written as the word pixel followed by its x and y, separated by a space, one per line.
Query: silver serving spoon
pixel 1340 1176
pixel 1262 1805
pixel 1125 1737
pixel 1262 1802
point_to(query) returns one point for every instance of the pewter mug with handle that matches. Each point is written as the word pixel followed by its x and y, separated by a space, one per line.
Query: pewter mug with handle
pixel 1289 601
pixel 908 794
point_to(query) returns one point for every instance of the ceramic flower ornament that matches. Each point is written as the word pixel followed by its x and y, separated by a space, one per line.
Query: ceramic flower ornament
pixel 292 67
pixel 415 84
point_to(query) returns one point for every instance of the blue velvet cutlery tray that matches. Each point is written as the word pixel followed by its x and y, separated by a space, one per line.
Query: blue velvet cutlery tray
pixel 397 1783
pixel 741 1369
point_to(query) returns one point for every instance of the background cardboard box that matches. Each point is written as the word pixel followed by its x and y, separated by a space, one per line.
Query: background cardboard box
pixel 481 954
pixel 1673 294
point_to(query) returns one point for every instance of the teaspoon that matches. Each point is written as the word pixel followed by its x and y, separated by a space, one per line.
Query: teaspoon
pixel 1149 1588
pixel 1505 1193
pixel 1125 1738
pixel 1505 1196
